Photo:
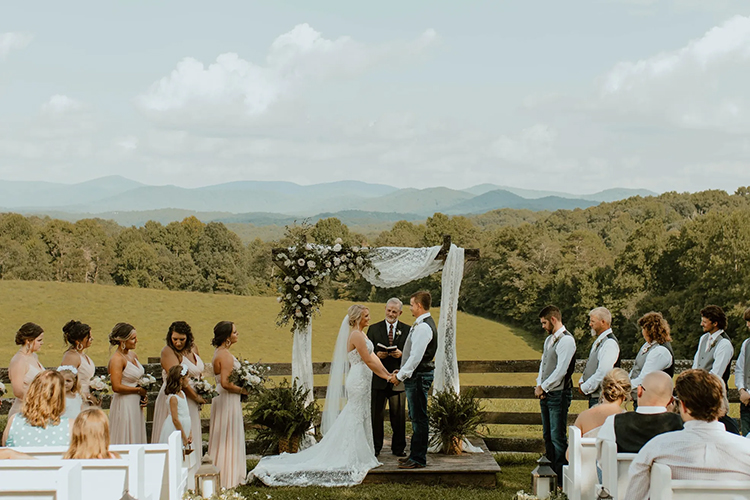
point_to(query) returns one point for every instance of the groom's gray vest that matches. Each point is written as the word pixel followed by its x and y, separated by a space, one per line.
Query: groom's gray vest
pixel 706 358
pixel 427 363
pixel 593 363
pixel 549 363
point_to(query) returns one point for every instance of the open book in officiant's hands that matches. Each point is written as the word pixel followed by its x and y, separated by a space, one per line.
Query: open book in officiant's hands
pixel 389 348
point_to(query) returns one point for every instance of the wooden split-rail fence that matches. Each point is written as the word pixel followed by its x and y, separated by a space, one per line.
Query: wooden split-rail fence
pixel 495 441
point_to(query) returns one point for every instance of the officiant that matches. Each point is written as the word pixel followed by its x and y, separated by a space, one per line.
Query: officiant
pixel 388 338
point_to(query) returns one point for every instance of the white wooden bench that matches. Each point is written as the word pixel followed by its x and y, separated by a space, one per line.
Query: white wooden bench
pixel 663 487
pixel 579 476
pixel 28 480
pixel 614 468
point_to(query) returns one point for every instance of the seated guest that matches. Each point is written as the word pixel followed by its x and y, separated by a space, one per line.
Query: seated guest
pixel 615 391
pixel 40 422
pixel 634 429
pixel 90 436
pixel 703 450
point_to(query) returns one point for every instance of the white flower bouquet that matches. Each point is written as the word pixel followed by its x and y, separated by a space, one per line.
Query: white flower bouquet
pixel 2 389
pixel 250 376
pixel 204 389
pixel 99 386
pixel 224 494
pixel 147 382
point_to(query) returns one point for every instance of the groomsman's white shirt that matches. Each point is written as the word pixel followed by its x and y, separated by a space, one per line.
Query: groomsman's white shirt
pixel 566 349
pixel 739 369
pixel 606 361
pixel 722 355
pixel 416 345
pixel 702 450
pixel 657 359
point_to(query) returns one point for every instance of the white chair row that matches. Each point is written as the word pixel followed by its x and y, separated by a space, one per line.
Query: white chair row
pixel 579 476
pixel 663 487
pixel 62 483
pixel 147 472
pixel 614 468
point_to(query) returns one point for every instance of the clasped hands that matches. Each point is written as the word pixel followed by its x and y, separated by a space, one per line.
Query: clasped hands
pixel 392 378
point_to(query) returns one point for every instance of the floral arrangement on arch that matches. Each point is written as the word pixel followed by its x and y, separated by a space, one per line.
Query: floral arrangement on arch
pixel 305 267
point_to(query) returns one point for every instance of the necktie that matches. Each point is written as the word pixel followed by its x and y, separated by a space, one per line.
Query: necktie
pixel 390 335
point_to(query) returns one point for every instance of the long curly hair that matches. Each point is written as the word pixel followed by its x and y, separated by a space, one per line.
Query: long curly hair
pixel 44 402
pixel 89 436
pixel 656 327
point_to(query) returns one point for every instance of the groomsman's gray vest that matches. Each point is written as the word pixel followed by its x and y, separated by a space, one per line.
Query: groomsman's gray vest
pixel 549 363
pixel 706 358
pixel 593 363
pixel 640 360
pixel 747 367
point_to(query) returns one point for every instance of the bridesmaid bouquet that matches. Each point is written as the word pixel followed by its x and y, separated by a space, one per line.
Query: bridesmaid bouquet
pixel 146 381
pixel 2 389
pixel 99 386
pixel 204 389
pixel 250 376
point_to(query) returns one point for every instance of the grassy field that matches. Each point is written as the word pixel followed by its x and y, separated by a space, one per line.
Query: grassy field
pixel 151 311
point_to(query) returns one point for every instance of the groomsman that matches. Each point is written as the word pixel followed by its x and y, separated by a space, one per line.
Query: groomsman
pixel 742 379
pixel 715 352
pixel 604 355
pixel 555 385
pixel 390 333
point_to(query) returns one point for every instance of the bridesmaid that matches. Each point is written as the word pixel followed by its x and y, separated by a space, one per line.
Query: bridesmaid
pixel 77 336
pixel 226 441
pixel 180 346
pixel 127 425
pixel 195 367
pixel 25 365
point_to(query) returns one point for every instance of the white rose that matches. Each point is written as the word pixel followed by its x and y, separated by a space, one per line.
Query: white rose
pixel 325 251
pixel 338 241
pixel 336 261
pixel 343 258
pixel 342 268
pixel 300 279
pixel 296 288
pixel 355 249
pixel 311 264
pixel 314 282
pixel 305 302
pixel 360 261
pixel 328 264
pixel 300 262
pixel 351 265
pixel 254 379
pixel 337 247
pixel 288 296
pixel 308 247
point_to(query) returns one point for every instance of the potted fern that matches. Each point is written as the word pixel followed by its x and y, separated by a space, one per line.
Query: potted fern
pixel 283 414
pixel 454 417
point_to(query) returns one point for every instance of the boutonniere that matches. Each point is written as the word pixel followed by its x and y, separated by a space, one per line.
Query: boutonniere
pixel 714 342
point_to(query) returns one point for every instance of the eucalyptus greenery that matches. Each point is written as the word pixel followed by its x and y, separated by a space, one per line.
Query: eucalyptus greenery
pixel 454 416
pixel 283 412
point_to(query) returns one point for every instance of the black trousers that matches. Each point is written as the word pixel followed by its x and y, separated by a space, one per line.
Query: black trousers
pixel 397 409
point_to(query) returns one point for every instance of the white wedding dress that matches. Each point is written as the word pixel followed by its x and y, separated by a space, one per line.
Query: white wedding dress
pixel 345 454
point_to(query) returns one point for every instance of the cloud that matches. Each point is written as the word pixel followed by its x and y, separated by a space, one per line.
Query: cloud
pixel 531 146
pixel 59 104
pixel 296 60
pixel 13 41
pixel 701 85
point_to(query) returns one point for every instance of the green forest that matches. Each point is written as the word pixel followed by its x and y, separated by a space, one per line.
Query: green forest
pixel 672 253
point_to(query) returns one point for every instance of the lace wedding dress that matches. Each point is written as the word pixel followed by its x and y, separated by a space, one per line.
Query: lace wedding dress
pixel 344 455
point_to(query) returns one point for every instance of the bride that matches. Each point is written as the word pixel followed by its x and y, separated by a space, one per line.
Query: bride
pixel 346 453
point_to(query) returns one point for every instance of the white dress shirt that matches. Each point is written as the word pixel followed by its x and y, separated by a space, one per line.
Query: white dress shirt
pixel 416 344
pixel 608 353
pixel 607 430
pixel 722 355
pixel 739 368
pixel 657 359
pixel 565 346
pixel 702 450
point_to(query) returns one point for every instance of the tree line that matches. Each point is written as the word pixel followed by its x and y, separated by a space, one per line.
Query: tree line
pixel 672 253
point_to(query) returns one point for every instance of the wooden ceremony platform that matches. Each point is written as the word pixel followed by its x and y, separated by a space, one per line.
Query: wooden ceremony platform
pixel 468 469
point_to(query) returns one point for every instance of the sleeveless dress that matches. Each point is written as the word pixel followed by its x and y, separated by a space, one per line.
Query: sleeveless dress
pixel 126 422
pixel 345 454
pixel 195 371
pixel 85 373
pixel 23 434
pixel 183 415
pixel 33 370
pixel 72 407
pixel 161 410
pixel 226 439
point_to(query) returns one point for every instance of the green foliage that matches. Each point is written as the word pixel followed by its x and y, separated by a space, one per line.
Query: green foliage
pixel 282 412
pixel 454 416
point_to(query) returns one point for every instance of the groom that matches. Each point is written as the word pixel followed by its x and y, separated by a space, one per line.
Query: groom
pixel 417 371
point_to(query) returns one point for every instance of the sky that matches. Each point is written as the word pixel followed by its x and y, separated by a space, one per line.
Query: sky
pixel 575 95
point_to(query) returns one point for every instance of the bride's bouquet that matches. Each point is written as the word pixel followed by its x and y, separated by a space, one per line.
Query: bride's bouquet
pixel 146 381
pixel 204 389
pixel 99 386
pixel 250 376
pixel 2 389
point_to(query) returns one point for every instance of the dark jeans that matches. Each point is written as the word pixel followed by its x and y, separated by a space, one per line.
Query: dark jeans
pixel 555 408
pixel 397 410
pixel 593 401
pixel 417 388
pixel 745 419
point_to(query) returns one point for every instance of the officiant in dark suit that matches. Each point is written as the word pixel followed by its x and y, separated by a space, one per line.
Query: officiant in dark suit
pixel 388 338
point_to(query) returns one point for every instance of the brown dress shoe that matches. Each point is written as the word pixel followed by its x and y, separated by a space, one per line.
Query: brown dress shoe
pixel 411 465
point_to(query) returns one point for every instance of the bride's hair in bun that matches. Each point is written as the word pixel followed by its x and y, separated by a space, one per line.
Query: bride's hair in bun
pixel 355 313
pixel 616 385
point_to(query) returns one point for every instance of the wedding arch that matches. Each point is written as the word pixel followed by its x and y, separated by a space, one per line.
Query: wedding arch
pixel 306 265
